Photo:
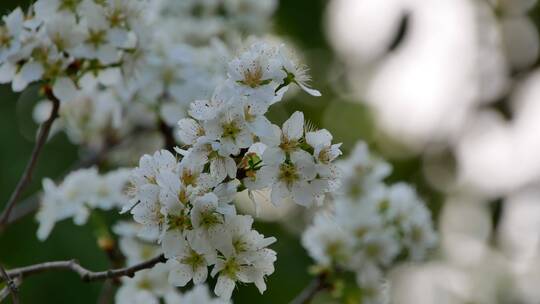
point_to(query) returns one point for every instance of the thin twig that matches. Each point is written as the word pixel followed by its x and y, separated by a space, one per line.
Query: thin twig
pixel 5 292
pixel 11 286
pixel 29 170
pixel 31 204
pixel 24 208
pixel 317 285
pixel 116 260
pixel 85 274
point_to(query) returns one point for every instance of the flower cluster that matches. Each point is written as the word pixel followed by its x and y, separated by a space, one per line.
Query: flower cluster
pixel 230 133
pixel 196 225
pixel 80 192
pixel 117 66
pixel 372 225
pixel 231 146
pixel 201 21
pixel 58 41
pixel 150 286
pixel 114 75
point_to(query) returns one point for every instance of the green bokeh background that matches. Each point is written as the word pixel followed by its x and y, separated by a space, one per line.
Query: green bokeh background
pixel 300 21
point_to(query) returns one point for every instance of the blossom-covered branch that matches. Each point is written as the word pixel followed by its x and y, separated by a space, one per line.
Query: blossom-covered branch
pixel 85 274
pixel 118 65
pixel 29 170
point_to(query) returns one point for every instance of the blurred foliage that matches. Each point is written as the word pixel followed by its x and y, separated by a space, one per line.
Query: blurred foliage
pixel 300 21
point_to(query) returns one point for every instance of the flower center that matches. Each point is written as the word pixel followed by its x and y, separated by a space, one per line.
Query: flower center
pixel 239 245
pixel 68 5
pixel 231 267
pixel 96 38
pixel 103 191
pixel 145 285
pixel 334 250
pixel 183 197
pixel 230 129
pixel 288 145
pixel 151 179
pixel 417 234
pixel 383 206
pixel 5 37
pixel 360 232
pixel 253 77
pixel 373 250
pixel 116 18
pixel 324 155
pixel 195 260
pixel 209 219
pixel 188 178
pixel 178 222
pixel 288 173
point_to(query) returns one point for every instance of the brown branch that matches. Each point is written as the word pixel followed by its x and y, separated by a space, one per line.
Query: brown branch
pixel 317 285
pixel 6 291
pixel 26 178
pixel 85 274
pixel 11 286
pixel 116 260
pixel 24 208
pixel 168 136
pixel 31 204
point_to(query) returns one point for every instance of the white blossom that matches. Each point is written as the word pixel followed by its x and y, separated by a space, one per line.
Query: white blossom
pixel 369 224
pixel 79 193
pixel 188 259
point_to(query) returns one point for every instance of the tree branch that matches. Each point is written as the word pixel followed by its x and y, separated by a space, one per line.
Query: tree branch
pixel 317 285
pixel 31 204
pixel 11 286
pixel 25 179
pixel 85 274
pixel 168 136
pixel 6 291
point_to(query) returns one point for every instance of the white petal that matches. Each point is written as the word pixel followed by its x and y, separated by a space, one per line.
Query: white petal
pixel 293 128
pixel 64 89
pixel 224 287
pixel 200 275
pixel 273 156
pixel 218 169
pixel 303 194
pixel 319 138
pixel 230 166
pixel 188 130
pixel 203 110
pixel 278 194
pixel 7 72
pixel 107 54
pixel 174 244
pixel 30 72
pixel 309 90
pixel 304 163
pixel 180 275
